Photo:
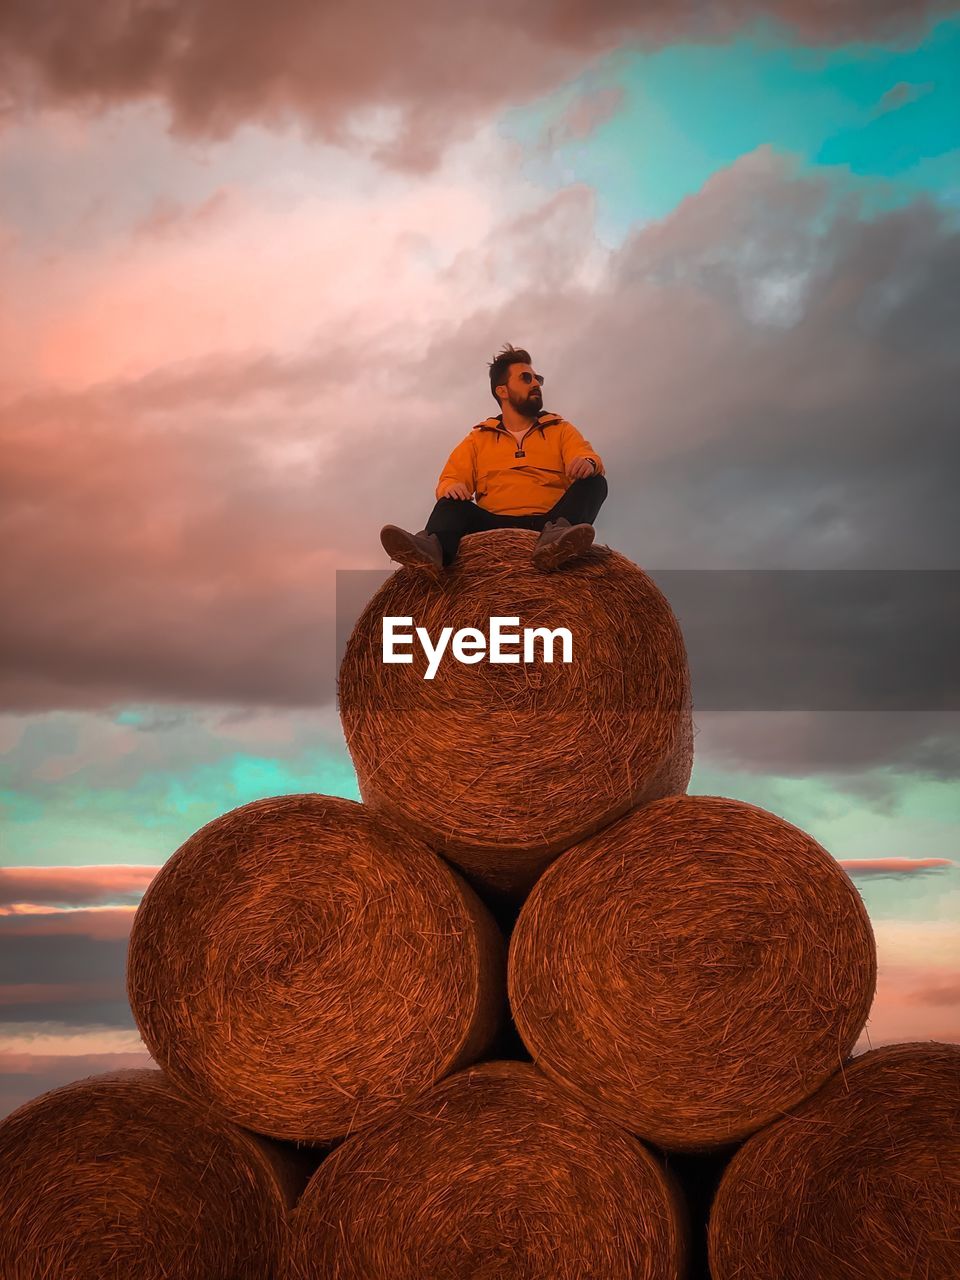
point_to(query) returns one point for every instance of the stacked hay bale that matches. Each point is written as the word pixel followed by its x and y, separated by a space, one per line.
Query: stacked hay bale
pixel 304 967
pixel 120 1175
pixel 502 766
pixel 493 1173
pixel 694 970
pixel 688 974
pixel 863 1179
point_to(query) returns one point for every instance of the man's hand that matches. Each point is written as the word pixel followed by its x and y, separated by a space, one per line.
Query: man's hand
pixel 580 467
pixel 458 490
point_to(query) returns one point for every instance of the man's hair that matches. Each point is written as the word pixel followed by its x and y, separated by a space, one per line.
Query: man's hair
pixel 500 366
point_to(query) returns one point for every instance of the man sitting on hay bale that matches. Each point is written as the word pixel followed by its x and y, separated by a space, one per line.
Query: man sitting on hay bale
pixel 529 469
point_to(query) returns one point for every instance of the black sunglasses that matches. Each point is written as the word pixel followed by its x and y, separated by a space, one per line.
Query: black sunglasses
pixel 529 377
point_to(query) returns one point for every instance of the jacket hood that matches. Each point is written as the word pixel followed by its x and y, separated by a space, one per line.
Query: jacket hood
pixel 544 419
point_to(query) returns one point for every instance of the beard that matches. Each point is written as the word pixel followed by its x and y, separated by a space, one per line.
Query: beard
pixel 528 405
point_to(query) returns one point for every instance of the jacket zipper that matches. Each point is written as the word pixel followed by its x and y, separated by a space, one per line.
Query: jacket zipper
pixel 519 443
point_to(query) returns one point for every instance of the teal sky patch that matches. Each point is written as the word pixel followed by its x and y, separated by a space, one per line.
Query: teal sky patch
pixel 70 822
pixel 881 120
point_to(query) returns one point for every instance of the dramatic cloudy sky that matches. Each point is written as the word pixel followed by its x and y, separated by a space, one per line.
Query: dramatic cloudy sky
pixel 254 263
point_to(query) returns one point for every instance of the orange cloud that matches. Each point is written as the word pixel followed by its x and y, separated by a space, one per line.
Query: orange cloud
pixel 913 1003
pixel 79 1064
pixel 29 888
pixel 918 983
pixel 945 991
pixel 239 275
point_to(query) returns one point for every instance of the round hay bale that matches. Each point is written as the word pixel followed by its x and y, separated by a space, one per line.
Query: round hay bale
pixel 501 766
pixel 119 1175
pixel 695 970
pixel 304 968
pixel 862 1179
pixel 496 1175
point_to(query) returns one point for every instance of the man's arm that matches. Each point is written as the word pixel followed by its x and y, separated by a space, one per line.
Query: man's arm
pixel 573 446
pixel 461 468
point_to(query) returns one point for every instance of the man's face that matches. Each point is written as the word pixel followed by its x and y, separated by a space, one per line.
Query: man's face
pixel 523 390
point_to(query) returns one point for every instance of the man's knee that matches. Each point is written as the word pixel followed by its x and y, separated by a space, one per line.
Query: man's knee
pixel 454 514
pixel 591 484
pixel 583 499
pixel 456 507
pixel 593 488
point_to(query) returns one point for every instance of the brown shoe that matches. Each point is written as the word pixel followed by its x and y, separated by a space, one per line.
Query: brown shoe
pixel 561 541
pixel 417 550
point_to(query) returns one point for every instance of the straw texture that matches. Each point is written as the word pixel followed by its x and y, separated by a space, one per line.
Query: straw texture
pixel 861 1180
pixel 304 968
pixel 119 1176
pixel 502 766
pixel 493 1175
pixel 694 970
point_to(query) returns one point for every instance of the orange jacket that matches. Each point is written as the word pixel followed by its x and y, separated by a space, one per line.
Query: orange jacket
pixel 515 480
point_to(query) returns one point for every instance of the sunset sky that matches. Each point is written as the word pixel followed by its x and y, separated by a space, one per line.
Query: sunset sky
pixel 255 260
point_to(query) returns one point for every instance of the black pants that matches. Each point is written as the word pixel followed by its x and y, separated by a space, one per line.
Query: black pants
pixel 452 518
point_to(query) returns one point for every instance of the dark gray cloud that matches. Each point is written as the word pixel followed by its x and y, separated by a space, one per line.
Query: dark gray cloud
pixel 441 68
pixel 820 437
pixel 49 959
pixel 39 979
pixel 838 743
pixel 110 924
pixel 820 640
pixel 896 868
pixel 86 1014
